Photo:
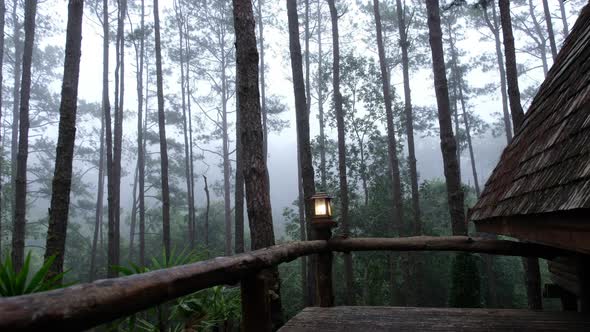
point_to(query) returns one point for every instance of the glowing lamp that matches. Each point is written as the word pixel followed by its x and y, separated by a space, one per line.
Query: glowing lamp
pixel 322 206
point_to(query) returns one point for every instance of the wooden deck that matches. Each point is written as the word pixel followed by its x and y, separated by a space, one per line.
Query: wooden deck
pixel 369 319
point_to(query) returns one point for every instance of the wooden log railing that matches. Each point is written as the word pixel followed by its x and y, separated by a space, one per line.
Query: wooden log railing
pixel 87 305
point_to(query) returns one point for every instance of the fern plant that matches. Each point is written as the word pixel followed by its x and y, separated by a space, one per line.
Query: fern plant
pixel 26 281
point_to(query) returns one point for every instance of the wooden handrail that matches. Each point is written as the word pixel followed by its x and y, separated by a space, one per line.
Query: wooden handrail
pixel 86 305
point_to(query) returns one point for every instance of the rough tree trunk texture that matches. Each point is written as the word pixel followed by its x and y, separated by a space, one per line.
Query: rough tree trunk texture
pixel 404 44
pixel 86 305
pixel 18 58
pixel 262 74
pixel 308 298
pixel 322 143
pixel 226 159
pixel 256 172
pixel 20 197
pixel 348 277
pixel 62 176
pixel 458 78
pixel 511 71
pixel 239 190
pixel 140 140
pixel 306 175
pixel 207 206
pixel 495 29
pixel 448 143
pixel 550 33
pixel 531 265
pixel 162 135
pixel 2 25
pixel 540 39
pixel 113 243
pixel 133 215
pixel 396 190
pixel 187 157
pixel 99 202
pixel 563 19
pixel 190 129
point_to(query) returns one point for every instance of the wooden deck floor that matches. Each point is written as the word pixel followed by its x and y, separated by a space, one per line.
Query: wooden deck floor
pixel 369 319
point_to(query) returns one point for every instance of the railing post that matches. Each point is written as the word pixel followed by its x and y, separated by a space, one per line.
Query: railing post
pixel 256 314
pixel 322 230
pixel 584 280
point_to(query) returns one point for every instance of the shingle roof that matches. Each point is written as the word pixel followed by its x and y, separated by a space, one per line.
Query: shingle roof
pixel 546 167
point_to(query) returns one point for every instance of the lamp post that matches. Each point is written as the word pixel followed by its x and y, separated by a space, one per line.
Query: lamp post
pixel 322 224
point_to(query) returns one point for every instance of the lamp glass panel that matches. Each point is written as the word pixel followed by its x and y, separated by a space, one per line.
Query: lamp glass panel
pixel 320 207
pixel 329 206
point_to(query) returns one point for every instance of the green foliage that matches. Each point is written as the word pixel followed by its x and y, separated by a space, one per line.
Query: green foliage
pixel 465 290
pixel 26 281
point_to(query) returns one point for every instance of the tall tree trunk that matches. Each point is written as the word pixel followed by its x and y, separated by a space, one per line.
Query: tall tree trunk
pixel 207 205
pixel 239 190
pixel 187 157
pixel 306 174
pixel 140 139
pixel 62 178
pixel 263 109
pixel 511 71
pixel 113 239
pixel 531 265
pixel 99 202
pixel 226 159
pixel 495 29
pixel 162 135
pixel 550 29
pixel 542 42
pixel 563 18
pixel 18 236
pixel 190 127
pixel 2 26
pixel 396 189
pixel 448 143
pixel 404 44
pixel 348 277
pixel 322 143
pixel 133 215
pixel 256 174
pixel 18 58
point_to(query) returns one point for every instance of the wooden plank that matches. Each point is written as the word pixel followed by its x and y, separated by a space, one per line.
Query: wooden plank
pixel 364 319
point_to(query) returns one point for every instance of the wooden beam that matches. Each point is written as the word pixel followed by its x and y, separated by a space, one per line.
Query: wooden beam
pixel 448 243
pixel 86 305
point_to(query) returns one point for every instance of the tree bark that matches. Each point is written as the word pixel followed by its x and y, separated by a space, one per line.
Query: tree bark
pixel 541 41
pixel 187 157
pixel 162 135
pixel 396 190
pixel 260 22
pixel 239 190
pixel 563 19
pixel 348 277
pixel 99 202
pixel 20 198
pixel 495 29
pixel 448 143
pixel 306 176
pixel 404 44
pixel 226 160
pixel 62 178
pixel 140 139
pixel 2 28
pixel 256 174
pixel 322 143
pixel 18 58
pixel 207 205
pixel 550 30
pixel 511 71
pixel 113 239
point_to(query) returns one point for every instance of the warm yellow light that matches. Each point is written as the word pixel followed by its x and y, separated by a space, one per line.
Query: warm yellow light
pixel 321 205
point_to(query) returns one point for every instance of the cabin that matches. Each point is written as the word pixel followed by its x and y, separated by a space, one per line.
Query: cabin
pixel 540 190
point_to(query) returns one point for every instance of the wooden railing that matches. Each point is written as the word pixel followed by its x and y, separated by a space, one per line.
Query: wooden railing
pixel 87 305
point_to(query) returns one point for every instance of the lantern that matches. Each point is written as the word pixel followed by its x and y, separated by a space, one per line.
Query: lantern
pixel 322 207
